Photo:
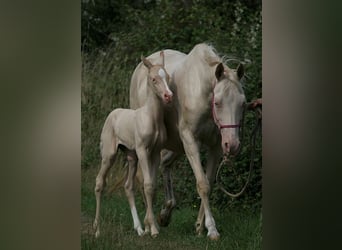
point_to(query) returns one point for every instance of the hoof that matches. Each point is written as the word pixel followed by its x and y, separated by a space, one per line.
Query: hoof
pixel 214 236
pixel 140 231
pixel 164 216
pixel 199 229
pixel 162 221
pixel 97 234
pixel 154 235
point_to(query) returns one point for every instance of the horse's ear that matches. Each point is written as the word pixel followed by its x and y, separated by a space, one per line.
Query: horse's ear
pixel 146 62
pixel 162 57
pixel 219 72
pixel 240 71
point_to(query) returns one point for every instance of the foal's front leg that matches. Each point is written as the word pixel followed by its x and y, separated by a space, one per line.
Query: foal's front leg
pixel 129 189
pixel 146 164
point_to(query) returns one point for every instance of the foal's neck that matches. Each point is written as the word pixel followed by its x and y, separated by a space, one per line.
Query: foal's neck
pixel 155 107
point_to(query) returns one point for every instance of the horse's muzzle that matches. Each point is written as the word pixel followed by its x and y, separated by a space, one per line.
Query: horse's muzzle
pixel 168 97
pixel 230 147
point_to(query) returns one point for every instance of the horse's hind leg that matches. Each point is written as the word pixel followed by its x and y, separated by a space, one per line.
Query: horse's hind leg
pixel 108 152
pixel 168 157
pixel 129 189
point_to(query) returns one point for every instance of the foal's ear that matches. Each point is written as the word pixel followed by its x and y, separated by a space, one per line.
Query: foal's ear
pixel 240 71
pixel 146 62
pixel 162 57
pixel 219 72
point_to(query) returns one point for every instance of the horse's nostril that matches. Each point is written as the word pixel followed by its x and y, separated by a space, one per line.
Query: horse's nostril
pixel 226 144
pixel 168 97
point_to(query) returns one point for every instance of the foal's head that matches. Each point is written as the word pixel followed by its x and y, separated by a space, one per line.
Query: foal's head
pixel 158 79
pixel 228 105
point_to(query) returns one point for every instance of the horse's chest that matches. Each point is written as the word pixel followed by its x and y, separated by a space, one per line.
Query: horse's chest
pixel 206 132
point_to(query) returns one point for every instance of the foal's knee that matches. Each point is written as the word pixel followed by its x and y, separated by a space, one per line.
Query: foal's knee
pixel 99 185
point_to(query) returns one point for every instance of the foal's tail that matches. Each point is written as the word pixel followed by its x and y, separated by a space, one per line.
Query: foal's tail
pixel 122 177
pixel 120 180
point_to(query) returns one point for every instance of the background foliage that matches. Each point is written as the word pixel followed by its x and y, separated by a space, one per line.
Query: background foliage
pixel 114 36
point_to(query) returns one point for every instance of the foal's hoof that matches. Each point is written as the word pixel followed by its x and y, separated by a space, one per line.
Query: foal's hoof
pixel 140 231
pixel 97 234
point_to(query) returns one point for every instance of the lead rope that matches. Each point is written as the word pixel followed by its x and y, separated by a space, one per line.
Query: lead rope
pixel 251 163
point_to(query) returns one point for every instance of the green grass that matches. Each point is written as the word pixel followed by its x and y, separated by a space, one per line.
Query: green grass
pixel 238 229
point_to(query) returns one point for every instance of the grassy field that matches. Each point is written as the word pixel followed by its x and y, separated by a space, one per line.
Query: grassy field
pixel 238 229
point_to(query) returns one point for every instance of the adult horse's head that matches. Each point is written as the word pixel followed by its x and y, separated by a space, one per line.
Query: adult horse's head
pixel 228 105
pixel 158 78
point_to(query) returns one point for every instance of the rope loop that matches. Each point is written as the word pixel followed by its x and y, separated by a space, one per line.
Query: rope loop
pixel 226 160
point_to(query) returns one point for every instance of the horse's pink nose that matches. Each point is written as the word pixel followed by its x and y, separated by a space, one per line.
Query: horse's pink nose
pixel 168 96
pixel 230 147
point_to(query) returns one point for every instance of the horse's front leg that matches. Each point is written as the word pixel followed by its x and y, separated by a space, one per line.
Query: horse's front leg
pixel 192 152
pixel 149 186
pixel 214 155
pixel 168 157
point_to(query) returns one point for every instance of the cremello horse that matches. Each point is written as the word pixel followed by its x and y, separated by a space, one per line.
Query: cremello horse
pixel 141 134
pixel 207 109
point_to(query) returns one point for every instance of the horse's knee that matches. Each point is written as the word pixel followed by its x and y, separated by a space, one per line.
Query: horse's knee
pixel 203 187
pixel 148 188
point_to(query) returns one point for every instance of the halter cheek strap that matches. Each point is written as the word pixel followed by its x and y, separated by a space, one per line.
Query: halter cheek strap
pixel 219 125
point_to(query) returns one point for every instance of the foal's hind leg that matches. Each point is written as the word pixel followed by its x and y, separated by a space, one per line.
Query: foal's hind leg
pixel 168 157
pixel 108 156
pixel 129 189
